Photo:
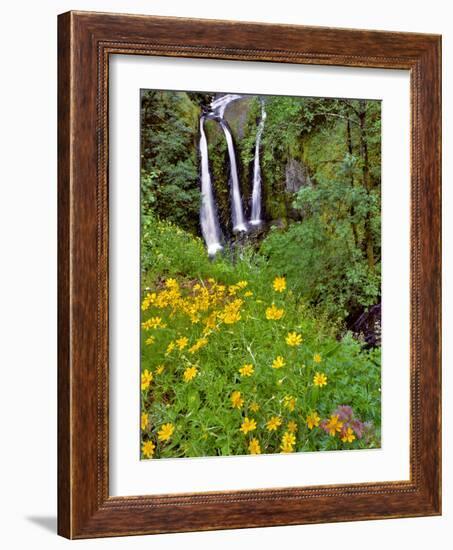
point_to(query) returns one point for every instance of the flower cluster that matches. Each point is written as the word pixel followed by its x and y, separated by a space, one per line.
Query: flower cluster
pixel 163 435
pixel 146 379
pixel 254 446
pixel 209 303
pixel 273 388
pixel 342 422
pixel 273 313
pixel 288 442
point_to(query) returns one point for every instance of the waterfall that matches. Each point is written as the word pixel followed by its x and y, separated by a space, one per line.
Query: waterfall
pixel 218 107
pixel 208 215
pixel 237 212
pixel 255 217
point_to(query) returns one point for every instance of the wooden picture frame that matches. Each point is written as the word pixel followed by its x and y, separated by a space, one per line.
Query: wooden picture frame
pixel 85 41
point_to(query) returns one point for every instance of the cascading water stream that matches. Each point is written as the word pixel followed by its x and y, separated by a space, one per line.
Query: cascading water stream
pixel 218 107
pixel 255 216
pixel 208 214
pixel 237 212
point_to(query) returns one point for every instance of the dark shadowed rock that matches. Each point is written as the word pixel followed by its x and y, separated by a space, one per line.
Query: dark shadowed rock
pixel 279 223
pixel 236 115
pixel 296 176
pixel 367 325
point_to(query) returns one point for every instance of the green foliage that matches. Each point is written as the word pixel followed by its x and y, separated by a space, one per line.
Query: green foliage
pixel 331 252
pixel 322 255
pixel 169 176
pixel 322 267
pixel 169 251
pixel 200 409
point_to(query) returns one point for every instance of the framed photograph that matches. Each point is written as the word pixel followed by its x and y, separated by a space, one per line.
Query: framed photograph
pixel 249 275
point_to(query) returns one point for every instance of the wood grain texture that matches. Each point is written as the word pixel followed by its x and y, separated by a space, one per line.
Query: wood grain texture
pixel 85 42
pixel 64 370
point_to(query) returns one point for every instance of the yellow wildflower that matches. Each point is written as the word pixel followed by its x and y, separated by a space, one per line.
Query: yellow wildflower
pixel 165 432
pixel 247 370
pixel 312 420
pixel 231 312
pixel 148 300
pixel 144 421
pixel 334 425
pixel 242 284
pixel 279 284
pixel 182 342
pixel 190 373
pixel 273 423
pixel 317 358
pixel 293 339
pixel 153 322
pixel 288 442
pixel 320 379
pixel 160 369
pixel 289 402
pixel 292 427
pixel 200 343
pixel 163 299
pixel 149 340
pixel 232 289
pixel 170 348
pixel 248 293
pixel 248 425
pixel 278 362
pixel 210 322
pixel 254 407
pixel 236 400
pixel 232 317
pixel 348 436
pixel 194 317
pixel 171 283
pixel 148 449
pixel 146 379
pixel 273 313
pixel 254 446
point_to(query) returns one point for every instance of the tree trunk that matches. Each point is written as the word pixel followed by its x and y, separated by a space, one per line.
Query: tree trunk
pixel 352 210
pixel 368 240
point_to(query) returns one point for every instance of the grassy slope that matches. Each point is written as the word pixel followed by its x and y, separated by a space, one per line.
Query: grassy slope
pixel 201 409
